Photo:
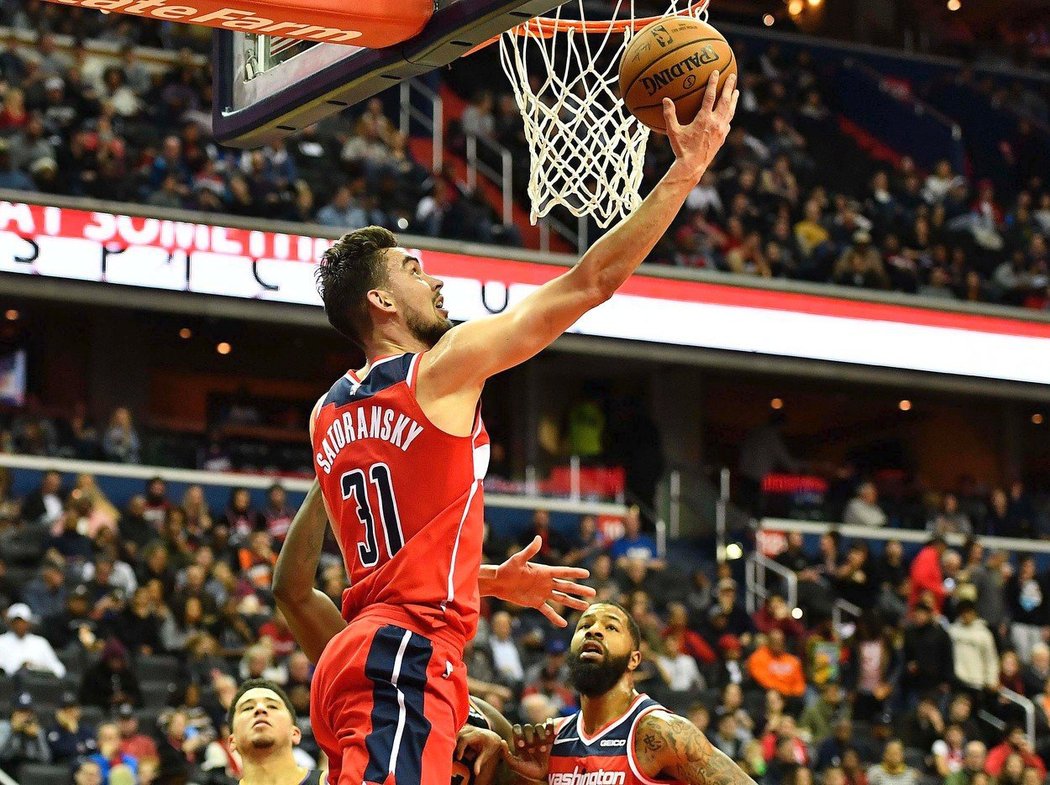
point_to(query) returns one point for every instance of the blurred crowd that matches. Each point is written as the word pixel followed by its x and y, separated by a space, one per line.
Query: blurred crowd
pixel 129 623
pixel 777 203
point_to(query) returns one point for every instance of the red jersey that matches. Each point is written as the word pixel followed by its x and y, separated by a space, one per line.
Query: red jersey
pixel 607 758
pixel 405 498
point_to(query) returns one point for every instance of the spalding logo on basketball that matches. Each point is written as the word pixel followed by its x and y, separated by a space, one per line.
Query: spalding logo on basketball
pixel 672 58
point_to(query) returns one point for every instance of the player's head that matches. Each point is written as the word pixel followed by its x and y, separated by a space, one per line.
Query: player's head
pixel 367 283
pixel 604 648
pixel 262 718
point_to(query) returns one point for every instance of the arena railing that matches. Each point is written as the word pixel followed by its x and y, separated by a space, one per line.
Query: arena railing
pixel 756 588
pixel 913 536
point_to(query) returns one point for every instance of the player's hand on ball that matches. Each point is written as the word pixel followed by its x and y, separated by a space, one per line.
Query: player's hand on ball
pixel 485 747
pixel 534 585
pixel 695 144
pixel 530 750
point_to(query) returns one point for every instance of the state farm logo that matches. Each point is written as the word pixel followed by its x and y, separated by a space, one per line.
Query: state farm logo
pixel 214 14
pixel 613 743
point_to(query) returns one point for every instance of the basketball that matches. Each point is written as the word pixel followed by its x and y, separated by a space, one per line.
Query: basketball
pixel 672 58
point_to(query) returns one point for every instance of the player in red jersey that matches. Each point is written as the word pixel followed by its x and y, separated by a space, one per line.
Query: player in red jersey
pixel 400 452
pixel 619 736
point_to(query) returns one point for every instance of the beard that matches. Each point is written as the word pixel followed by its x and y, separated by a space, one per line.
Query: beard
pixel 596 678
pixel 427 332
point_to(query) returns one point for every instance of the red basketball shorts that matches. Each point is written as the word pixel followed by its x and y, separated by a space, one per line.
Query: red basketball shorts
pixel 386 704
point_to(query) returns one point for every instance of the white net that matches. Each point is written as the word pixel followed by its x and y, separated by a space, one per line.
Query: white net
pixel 587 151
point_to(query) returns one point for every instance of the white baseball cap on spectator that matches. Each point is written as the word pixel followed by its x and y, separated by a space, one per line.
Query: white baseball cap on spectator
pixel 54 83
pixel 20 611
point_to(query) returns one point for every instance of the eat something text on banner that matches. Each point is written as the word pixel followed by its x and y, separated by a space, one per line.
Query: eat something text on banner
pixel 113 249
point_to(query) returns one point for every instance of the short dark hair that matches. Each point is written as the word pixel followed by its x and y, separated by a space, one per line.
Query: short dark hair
pixel 346 273
pixel 261 684
pixel 632 625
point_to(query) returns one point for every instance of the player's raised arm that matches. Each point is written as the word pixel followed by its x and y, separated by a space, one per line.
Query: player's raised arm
pixel 312 616
pixel 481 348
pixel 667 746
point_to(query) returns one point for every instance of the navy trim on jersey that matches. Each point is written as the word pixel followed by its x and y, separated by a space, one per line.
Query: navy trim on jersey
pixel 607 744
pixel 397 665
pixel 380 376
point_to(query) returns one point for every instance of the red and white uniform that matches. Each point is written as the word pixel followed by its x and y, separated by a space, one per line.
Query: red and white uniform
pixel 407 508
pixel 607 758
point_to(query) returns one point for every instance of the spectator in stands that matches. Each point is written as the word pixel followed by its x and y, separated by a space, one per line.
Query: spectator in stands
pixel 1037 672
pixel 926 574
pixel 111 681
pixel 727 605
pixel 19 648
pixel 22 739
pixel 892 770
pixel 1015 742
pixel 506 658
pixel 927 654
pixel 121 441
pixel 44 506
pixel 854 579
pixel 278 634
pixel 46 594
pixel 277 515
pixel 950 519
pixel 241 517
pixel 69 543
pixel 692 642
pixel 819 717
pixel 776 615
pixel 133 743
pixel 342 211
pixel 973 761
pixel 179 746
pixel 727 736
pixel 74 625
pixel 67 737
pixel 1025 593
pixel 679 669
pixel 87 772
pixel 554 544
pixel 110 757
pixel 590 543
pixel 973 650
pixel 864 509
pixel 634 544
pixel 136 532
pixel 137 626
pixel 773 668
pixel 477 119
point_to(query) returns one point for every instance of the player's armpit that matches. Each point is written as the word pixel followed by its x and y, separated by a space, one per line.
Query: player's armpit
pixel 667 746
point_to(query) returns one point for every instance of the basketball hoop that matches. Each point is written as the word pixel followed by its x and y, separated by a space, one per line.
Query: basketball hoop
pixel 587 151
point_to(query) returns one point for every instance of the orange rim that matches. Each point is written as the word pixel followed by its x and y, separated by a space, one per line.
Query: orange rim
pixel 547 27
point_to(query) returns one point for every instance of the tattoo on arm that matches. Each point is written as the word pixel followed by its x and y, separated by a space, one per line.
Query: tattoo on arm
pixel 672 748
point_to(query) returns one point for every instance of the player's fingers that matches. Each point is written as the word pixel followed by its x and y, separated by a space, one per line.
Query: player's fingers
pixel 519 737
pixel 552 616
pixel 671 117
pixel 576 603
pixel 461 747
pixel 486 754
pixel 530 550
pixel 550 733
pixel 529 733
pixel 711 92
pixel 570 573
pixel 574 588
pixel 726 98
pixel 732 104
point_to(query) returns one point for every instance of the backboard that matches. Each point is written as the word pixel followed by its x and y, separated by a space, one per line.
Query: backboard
pixel 267 87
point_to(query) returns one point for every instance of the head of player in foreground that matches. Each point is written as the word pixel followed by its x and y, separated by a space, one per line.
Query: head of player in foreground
pixel 375 291
pixel 605 650
pixel 263 731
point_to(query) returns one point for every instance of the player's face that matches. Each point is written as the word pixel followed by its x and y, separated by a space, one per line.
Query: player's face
pixel 602 650
pixel 418 297
pixel 261 721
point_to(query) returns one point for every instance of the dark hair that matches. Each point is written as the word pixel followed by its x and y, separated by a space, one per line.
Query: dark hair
pixel 346 273
pixel 262 684
pixel 632 625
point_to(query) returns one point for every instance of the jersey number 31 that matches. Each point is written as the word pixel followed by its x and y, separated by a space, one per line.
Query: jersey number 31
pixel 354 484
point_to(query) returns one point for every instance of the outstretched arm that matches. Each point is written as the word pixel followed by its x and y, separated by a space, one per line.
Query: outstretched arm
pixel 312 616
pixel 667 746
pixel 472 352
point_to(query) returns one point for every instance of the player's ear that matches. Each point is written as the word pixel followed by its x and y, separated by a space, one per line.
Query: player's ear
pixel 233 742
pixel 634 660
pixel 297 734
pixel 382 300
